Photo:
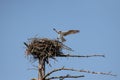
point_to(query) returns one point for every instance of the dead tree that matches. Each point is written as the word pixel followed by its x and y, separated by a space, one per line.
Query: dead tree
pixel 43 49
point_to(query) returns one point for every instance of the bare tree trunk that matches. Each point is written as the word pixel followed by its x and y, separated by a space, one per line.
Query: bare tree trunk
pixel 41 69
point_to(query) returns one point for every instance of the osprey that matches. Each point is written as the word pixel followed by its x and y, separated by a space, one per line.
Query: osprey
pixel 62 34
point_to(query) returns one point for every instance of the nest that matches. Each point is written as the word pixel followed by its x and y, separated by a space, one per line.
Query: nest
pixel 44 48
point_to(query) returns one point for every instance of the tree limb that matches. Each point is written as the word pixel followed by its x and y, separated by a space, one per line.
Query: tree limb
pixel 63 77
pixel 70 55
pixel 70 69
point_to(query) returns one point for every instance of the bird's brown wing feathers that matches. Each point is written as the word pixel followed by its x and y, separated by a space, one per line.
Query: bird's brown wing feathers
pixel 70 32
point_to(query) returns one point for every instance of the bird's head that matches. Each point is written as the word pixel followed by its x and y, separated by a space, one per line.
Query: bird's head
pixel 59 32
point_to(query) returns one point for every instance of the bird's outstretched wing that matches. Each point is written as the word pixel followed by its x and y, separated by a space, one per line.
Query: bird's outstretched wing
pixel 70 32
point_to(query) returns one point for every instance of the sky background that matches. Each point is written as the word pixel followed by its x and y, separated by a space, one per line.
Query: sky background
pixel 97 20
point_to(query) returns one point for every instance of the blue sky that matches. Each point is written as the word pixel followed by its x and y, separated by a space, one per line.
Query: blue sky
pixel 98 21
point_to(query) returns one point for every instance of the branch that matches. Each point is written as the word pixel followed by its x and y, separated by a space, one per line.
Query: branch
pixel 63 77
pixel 70 55
pixel 86 71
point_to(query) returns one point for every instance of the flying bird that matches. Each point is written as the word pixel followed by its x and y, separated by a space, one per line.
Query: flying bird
pixel 62 34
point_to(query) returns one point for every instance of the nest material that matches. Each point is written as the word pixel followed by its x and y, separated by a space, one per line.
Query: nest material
pixel 44 48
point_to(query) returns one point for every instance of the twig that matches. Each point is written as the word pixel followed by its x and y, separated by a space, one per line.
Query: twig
pixel 86 71
pixel 63 77
pixel 70 55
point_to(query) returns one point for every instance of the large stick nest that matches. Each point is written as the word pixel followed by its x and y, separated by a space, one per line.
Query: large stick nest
pixel 44 48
